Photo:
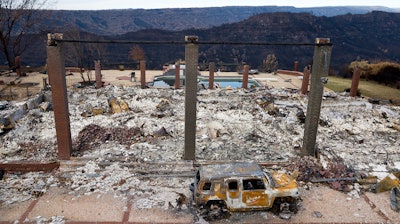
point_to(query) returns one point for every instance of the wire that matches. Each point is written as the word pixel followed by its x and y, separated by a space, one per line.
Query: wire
pixel 196 42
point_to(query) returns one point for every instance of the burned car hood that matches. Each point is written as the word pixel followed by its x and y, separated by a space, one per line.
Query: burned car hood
pixel 283 180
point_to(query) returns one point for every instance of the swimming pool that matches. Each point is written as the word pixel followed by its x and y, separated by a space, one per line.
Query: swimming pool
pixel 221 82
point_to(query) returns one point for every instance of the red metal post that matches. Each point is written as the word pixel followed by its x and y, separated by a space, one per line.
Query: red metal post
pixel 211 68
pixel 97 67
pixel 177 75
pixel 245 80
pixel 143 74
pixel 56 72
pixel 296 66
pixel 306 81
pixel 17 65
pixel 355 81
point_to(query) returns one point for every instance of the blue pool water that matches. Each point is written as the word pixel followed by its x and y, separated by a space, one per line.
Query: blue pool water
pixel 221 82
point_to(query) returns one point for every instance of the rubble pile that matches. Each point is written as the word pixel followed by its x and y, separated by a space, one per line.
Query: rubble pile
pixel 261 124
pixel 92 136
pixel 335 174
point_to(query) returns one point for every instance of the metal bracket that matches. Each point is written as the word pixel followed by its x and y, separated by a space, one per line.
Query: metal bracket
pixel 324 80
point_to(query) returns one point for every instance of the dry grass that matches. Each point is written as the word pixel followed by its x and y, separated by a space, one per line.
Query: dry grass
pixel 367 88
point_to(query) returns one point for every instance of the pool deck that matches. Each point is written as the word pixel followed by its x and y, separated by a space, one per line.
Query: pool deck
pixel 123 78
pixel 266 79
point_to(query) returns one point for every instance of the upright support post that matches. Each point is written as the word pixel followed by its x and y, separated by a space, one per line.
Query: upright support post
pixel 97 67
pixel 306 80
pixel 177 75
pixel 296 66
pixel 56 72
pixel 143 74
pixel 191 58
pixel 211 69
pixel 17 65
pixel 245 77
pixel 320 69
pixel 45 83
pixel 355 81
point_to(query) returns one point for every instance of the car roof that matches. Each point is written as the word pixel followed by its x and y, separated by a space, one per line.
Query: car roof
pixel 216 171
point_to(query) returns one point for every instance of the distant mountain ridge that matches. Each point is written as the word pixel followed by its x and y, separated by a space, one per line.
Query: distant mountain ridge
pixel 112 22
pixel 373 36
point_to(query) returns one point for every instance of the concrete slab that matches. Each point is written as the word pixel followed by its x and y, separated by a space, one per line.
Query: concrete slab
pixel 157 215
pixel 320 204
pixel 324 205
pixel 381 202
pixel 13 212
pixel 95 207
pixel 113 77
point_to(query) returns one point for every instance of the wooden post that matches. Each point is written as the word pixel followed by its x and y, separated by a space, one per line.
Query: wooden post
pixel 355 81
pixel 56 72
pixel 245 77
pixel 191 58
pixel 177 75
pixel 305 81
pixel 320 69
pixel 143 74
pixel 211 69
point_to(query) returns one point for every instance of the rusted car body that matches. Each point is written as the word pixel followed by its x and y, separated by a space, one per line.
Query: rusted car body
pixel 243 187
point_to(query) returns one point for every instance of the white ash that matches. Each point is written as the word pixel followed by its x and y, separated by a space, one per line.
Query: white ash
pixel 17 188
pixel 352 130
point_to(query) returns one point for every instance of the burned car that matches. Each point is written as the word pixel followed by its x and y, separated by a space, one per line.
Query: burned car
pixel 244 187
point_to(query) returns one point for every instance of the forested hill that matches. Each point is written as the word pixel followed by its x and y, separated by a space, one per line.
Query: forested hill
pixel 373 36
pixel 112 22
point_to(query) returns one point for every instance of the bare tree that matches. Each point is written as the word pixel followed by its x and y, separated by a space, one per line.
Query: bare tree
pixel 270 64
pixel 82 55
pixel 136 53
pixel 17 17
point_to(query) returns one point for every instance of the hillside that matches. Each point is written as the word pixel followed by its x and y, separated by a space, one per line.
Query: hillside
pixel 372 36
pixel 113 22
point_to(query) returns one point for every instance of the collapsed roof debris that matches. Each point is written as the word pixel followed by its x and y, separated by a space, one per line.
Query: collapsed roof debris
pixel 262 124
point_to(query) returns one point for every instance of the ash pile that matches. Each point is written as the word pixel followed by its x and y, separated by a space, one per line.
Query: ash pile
pixel 119 133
